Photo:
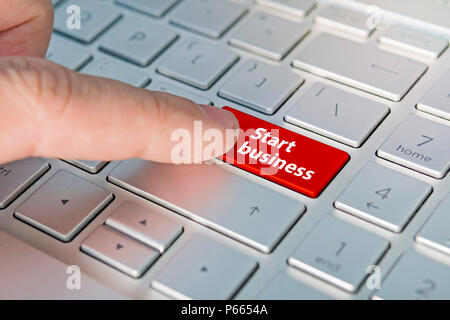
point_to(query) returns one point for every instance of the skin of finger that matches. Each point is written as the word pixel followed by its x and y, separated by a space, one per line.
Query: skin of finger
pixel 25 27
pixel 50 111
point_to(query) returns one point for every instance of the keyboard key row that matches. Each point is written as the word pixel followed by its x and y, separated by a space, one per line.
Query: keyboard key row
pixel 419 144
pixel 337 114
pixel 360 66
pixel 383 196
pixel 257 216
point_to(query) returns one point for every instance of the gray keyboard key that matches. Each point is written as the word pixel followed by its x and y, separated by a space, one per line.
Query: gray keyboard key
pixel 268 35
pixel 137 40
pixel 67 53
pixel 437 99
pixel 233 205
pixel 296 7
pixel 370 69
pixel 404 38
pixel 209 17
pixel 416 277
pixel 119 251
pixel 172 89
pixel 197 63
pixel 87 165
pixel 154 7
pixel 435 232
pixel 282 287
pixel 419 144
pixel 383 196
pixel 16 177
pixel 96 17
pixel 203 264
pixel 63 205
pixel 28 273
pixel 260 86
pixel 345 20
pixel 145 225
pixel 339 253
pixel 107 68
pixel 337 114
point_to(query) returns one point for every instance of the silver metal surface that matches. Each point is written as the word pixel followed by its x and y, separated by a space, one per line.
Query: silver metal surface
pixel 282 287
pixel 88 165
pixel 179 91
pixel 155 7
pixel 108 68
pixel 383 196
pixel 419 144
pixel 437 99
pixel 370 69
pixel 197 63
pixel 96 17
pixel 119 251
pixel 296 7
pixel 203 264
pixel 260 86
pixel 416 277
pixel 16 177
pixel 137 40
pixel 434 16
pixel 338 252
pixel 268 35
pixel 348 21
pixel 63 205
pixel 144 225
pixel 250 213
pixel 41 276
pixel 337 114
pixel 67 53
pixel 435 231
pixel 404 38
pixel 209 17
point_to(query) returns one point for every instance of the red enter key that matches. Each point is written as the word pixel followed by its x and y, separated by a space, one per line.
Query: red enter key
pixel 285 157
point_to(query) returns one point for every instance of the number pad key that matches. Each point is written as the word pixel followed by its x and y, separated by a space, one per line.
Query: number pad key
pixel 421 145
pixel 339 253
pixel 209 17
pixel 197 63
pixel 204 269
pixel 95 18
pixel 268 35
pixel 416 277
pixel 260 86
pixel 337 114
pixel 137 40
pixel 383 196
pixel 435 233
pixel 114 70
pixel 437 99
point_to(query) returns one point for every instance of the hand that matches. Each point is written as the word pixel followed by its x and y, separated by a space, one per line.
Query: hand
pixel 49 111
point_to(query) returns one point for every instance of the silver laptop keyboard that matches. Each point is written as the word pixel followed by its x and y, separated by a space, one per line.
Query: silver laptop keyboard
pixel 319 68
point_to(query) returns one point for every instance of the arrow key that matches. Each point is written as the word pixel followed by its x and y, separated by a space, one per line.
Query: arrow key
pixel 119 251
pixel 147 225
pixel 383 196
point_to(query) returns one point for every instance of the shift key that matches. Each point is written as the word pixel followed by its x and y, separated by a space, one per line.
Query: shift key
pixel 284 157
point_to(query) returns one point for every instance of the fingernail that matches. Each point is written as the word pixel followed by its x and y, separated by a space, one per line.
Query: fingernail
pixel 224 117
